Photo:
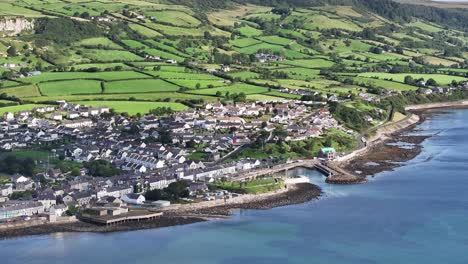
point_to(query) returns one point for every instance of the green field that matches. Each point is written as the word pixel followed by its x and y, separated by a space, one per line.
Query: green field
pixel 399 77
pixel 140 86
pixel 99 55
pixel 132 108
pixel 235 88
pixel 70 87
pixel 99 42
pixel 249 31
pixel 171 96
pixel 107 76
pixel 397 86
pixel 244 42
pixel 17 108
pixel 176 18
pixel 21 91
pixel 144 31
pixel 312 63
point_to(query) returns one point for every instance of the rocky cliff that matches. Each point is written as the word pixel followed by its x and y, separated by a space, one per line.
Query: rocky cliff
pixel 14 26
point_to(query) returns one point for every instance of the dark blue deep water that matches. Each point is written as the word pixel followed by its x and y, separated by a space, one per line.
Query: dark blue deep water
pixel 415 214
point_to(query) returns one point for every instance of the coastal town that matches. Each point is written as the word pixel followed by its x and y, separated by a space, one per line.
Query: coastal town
pixel 141 155
pixel 100 163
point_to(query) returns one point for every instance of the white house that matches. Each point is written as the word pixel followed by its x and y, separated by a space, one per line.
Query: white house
pixel 133 198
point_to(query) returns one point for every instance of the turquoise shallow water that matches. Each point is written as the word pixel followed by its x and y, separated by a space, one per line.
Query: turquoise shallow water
pixel 415 214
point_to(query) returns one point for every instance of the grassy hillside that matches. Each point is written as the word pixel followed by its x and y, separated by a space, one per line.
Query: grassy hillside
pixel 157 51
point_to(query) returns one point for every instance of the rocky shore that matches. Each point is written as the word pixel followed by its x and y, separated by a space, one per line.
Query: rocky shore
pixel 387 155
pixel 393 150
pixel 295 194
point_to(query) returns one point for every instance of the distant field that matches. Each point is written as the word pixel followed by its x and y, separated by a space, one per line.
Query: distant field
pixel 70 87
pixel 184 75
pixel 99 55
pixel 172 96
pixel 21 91
pixel 95 42
pixel 140 86
pixel 249 31
pixel 276 40
pixel 17 108
pixel 235 88
pixel 108 76
pixel 147 32
pixel 132 108
pixel 262 97
pixel 176 18
pixel 192 84
pixel 283 95
pixel 397 86
pixel 244 75
pixel 8 102
pixel 399 77
pixel 101 66
pixel 312 63
pixel 244 42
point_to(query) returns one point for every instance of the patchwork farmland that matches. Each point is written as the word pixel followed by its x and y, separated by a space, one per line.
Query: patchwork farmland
pixel 139 51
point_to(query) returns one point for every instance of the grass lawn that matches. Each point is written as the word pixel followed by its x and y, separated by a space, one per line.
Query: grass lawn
pixel 33 154
pixel 134 107
pixel 139 86
pixel 17 108
pixel 252 187
pixel 70 87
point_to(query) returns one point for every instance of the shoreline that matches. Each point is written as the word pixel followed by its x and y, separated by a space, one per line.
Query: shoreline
pixel 391 146
pixel 294 194
pixel 383 150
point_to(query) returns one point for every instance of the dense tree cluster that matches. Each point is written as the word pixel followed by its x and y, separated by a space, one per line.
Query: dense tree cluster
pixel 11 164
pixel 173 192
pixel 101 168
pixel 64 30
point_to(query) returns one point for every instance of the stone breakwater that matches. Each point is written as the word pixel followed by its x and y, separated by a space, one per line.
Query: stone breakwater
pixel 163 221
pixel 295 194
